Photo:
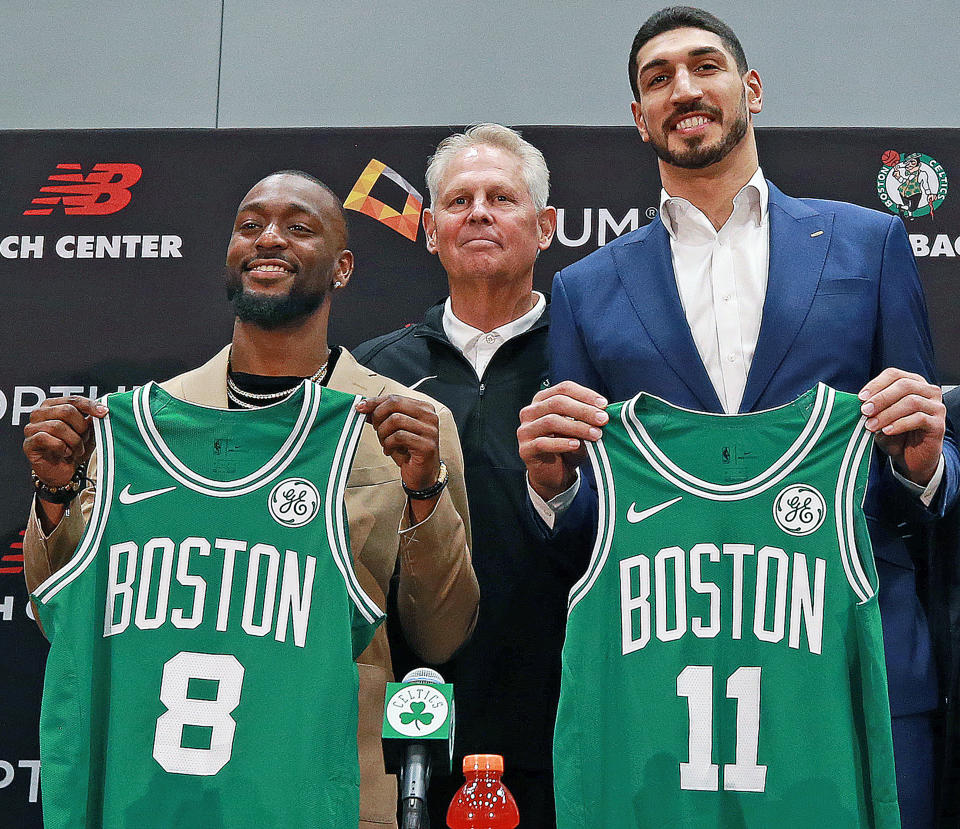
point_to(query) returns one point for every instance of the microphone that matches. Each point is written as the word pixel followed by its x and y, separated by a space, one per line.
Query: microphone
pixel 418 727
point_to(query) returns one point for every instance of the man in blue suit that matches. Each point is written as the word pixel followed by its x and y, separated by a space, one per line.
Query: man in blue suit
pixel 739 298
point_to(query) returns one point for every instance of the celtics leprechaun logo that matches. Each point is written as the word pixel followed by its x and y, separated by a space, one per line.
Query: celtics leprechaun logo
pixel 911 185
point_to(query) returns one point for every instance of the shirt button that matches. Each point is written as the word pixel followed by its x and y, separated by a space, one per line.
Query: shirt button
pixel 491 338
pixel 726 298
pixel 731 357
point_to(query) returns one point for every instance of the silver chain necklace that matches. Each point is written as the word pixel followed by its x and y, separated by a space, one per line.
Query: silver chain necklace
pixel 234 392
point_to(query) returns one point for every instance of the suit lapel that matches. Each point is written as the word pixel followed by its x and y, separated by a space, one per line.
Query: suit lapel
pixel 799 239
pixel 206 385
pixel 351 377
pixel 645 268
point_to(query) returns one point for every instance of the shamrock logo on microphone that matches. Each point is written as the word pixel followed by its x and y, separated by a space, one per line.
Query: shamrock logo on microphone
pixel 415 710
pixel 416 715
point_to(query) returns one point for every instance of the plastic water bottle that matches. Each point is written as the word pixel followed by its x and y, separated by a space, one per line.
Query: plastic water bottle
pixel 483 802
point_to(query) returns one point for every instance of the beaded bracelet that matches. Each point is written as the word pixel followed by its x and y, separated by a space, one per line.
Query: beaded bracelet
pixel 63 494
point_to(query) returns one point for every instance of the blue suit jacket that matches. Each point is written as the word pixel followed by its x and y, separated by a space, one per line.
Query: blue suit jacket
pixel 843 302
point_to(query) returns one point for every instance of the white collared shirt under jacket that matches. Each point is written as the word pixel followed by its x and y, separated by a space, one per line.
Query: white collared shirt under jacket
pixel 722 281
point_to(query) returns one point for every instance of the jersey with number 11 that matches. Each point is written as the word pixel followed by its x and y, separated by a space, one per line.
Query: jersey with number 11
pixel 723 663
pixel 201 667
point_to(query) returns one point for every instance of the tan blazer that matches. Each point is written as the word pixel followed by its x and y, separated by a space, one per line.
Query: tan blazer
pixel 438 593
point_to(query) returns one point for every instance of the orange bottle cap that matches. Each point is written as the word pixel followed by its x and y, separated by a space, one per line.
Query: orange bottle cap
pixel 481 762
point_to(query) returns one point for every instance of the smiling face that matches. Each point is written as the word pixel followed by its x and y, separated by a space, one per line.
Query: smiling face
pixel 483 223
pixel 695 107
pixel 286 250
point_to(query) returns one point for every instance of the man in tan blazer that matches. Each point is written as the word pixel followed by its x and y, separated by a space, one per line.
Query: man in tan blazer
pixel 286 258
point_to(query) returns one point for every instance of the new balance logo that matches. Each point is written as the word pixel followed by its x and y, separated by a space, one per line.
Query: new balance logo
pixel 104 190
pixel 635 517
pixel 12 562
pixel 128 497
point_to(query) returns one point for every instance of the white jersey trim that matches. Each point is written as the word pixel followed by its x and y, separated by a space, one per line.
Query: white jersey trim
pixel 776 472
pixel 225 489
pixel 606 519
pixel 845 515
pixel 335 514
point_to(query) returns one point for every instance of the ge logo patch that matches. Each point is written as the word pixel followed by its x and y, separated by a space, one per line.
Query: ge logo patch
pixel 799 509
pixel 294 502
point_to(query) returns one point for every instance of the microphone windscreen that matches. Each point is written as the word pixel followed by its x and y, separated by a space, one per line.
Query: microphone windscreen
pixel 424 676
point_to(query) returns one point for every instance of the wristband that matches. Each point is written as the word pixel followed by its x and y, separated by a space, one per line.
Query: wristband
pixel 60 494
pixel 430 491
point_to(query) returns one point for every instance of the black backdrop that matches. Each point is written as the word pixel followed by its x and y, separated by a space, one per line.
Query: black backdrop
pixel 152 302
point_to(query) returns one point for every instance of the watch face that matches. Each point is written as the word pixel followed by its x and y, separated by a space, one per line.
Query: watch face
pixel 433 489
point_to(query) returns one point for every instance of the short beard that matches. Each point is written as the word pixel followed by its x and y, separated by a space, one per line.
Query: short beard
pixel 271 312
pixel 698 157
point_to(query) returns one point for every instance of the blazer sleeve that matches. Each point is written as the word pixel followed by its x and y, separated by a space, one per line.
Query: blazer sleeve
pixel 569 358
pixel 437 592
pixel 43 554
pixel 574 529
pixel 905 342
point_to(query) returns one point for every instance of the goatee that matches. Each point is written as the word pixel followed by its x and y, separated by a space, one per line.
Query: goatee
pixel 695 156
pixel 269 311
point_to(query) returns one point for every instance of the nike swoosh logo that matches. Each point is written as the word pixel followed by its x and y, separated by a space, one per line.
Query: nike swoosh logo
pixel 423 380
pixel 128 497
pixel 635 517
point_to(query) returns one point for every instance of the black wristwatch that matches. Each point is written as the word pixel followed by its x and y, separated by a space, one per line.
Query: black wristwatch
pixel 430 491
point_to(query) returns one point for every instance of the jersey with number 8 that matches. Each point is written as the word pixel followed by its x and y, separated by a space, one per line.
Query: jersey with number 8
pixel 723 663
pixel 201 667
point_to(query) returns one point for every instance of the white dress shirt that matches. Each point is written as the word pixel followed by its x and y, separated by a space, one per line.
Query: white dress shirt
pixel 480 346
pixel 722 281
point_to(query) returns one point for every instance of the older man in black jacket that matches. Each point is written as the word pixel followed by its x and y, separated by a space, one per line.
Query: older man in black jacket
pixel 483 353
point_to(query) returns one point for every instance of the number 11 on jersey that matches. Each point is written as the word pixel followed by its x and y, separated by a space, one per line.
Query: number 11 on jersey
pixel 700 773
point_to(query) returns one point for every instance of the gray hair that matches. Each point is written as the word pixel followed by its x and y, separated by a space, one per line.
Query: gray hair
pixel 532 163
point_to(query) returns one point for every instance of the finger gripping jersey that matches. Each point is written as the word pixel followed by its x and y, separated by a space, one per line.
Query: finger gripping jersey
pixel 201 667
pixel 723 663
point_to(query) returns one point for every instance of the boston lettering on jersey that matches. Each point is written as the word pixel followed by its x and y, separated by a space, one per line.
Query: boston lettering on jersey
pixel 787 599
pixel 276 594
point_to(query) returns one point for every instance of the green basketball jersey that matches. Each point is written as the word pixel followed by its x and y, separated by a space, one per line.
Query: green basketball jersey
pixel 201 667
pixel 723 665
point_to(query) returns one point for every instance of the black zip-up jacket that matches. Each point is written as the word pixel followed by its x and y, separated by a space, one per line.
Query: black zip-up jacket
pixel 940 593
pixel 507 677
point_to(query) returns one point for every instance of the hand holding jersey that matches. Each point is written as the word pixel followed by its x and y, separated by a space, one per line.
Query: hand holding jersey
pixel 57 440
pixel 552 431
pixel 907 415
pixel 409 432
pixel 59 437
